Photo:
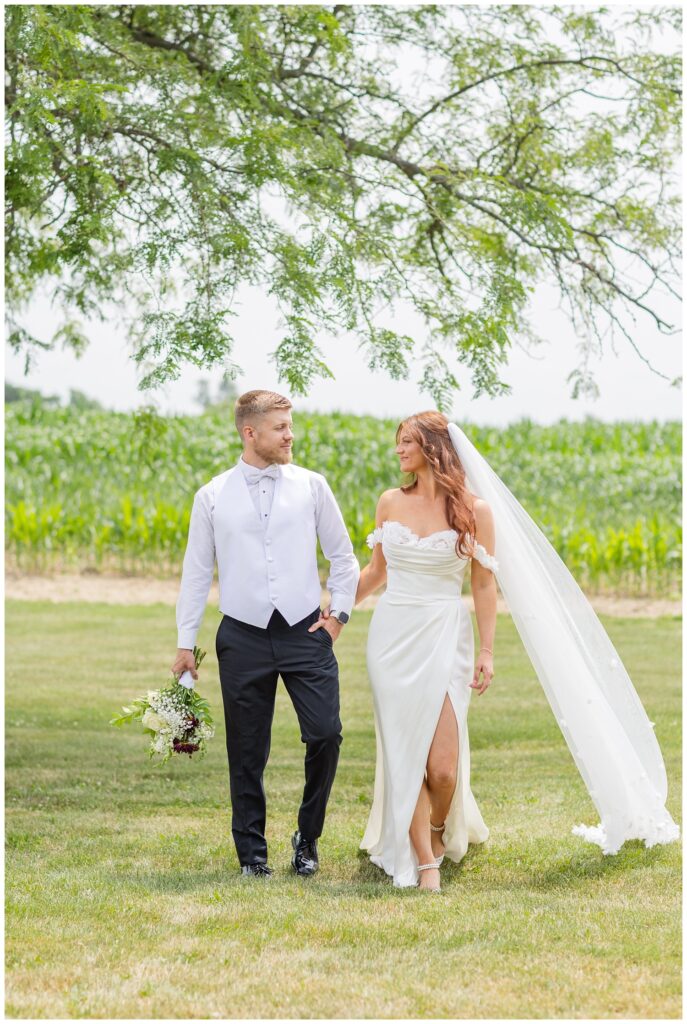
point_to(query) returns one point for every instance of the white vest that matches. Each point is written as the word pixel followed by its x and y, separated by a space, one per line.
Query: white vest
pixel 263 569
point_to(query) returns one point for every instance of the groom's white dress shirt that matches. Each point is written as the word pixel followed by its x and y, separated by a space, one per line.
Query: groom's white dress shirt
pixel 260 487
pixel 262 527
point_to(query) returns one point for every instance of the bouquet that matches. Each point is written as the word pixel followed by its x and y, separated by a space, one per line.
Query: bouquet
pixel 177 718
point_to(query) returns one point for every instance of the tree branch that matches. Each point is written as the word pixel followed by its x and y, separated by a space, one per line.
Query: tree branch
pixel 522 66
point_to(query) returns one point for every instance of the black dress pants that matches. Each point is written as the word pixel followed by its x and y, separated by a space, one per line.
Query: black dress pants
pixel 250 661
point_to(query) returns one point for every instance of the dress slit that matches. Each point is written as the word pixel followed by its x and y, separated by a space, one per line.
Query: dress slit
pixel 460 747
pixel 424 771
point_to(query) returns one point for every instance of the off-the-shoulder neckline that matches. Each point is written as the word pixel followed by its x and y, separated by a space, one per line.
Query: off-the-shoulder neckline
pixel 428 536
pixel 478 550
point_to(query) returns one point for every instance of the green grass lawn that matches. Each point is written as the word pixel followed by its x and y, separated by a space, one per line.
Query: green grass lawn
pixel 124 900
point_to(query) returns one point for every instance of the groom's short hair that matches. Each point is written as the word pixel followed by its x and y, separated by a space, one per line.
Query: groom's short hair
pixel 257 403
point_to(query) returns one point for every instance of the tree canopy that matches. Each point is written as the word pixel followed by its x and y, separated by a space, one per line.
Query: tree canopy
pixel 354 161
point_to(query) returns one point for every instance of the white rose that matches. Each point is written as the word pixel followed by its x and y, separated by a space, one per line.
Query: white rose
pixel 151 720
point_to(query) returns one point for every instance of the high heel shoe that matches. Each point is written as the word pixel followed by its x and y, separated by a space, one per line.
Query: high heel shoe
pixel 438 828
pixel 429 867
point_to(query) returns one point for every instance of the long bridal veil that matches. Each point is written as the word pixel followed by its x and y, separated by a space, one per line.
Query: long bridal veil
pixel 597 708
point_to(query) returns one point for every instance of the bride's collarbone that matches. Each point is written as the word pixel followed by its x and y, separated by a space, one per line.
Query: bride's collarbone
pixel 423 517
pixel 420 525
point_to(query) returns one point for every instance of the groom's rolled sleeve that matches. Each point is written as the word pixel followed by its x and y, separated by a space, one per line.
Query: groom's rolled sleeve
pixel 344 571
pixel 199 566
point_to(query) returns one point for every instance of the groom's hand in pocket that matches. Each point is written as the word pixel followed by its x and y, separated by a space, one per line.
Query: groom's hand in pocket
pixel 325 621
pixel 184 660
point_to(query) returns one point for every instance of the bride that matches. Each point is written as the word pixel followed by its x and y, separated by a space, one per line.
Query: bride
pixel 420 656
pixel 422 669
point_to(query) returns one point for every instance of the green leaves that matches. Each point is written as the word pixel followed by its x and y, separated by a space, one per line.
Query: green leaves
pixel 181 150
pixel 388 351
pixel 169 338
pixel 134 713
pixel 298 359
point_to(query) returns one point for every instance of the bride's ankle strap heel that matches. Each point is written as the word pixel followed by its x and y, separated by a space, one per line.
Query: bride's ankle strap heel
pixel 429 867
pixel 438 828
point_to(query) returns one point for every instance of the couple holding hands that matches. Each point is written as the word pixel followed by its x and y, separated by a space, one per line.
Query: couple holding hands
pixel 261 520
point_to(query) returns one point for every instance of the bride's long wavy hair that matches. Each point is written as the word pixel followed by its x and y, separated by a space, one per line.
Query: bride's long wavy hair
pixel 430 430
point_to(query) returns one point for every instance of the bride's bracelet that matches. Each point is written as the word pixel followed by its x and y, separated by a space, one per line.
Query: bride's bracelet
pixel 486 649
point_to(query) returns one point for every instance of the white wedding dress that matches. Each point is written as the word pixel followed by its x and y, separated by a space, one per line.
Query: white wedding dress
pixel 420 648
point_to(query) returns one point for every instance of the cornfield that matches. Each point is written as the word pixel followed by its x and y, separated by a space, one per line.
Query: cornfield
pixel 94 490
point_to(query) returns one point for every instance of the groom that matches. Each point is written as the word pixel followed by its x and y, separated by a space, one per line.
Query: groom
pixel 261 520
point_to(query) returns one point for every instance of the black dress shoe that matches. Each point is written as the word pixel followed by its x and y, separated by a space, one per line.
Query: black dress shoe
pixel 304 859
pixel 257 870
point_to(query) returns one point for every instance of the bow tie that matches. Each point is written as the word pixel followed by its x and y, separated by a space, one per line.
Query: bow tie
pixel 254 475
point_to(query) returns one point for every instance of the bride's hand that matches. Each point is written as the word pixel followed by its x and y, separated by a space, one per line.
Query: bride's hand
pixel 484 666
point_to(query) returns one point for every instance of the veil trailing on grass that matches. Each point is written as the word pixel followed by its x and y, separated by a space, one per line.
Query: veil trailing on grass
pixel 596 706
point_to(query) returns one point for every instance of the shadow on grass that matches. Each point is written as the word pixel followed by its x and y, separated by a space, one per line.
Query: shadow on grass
pixel 538 867
pixel 177 880
pixel 587 865
pixel 221 884
pixel 533 869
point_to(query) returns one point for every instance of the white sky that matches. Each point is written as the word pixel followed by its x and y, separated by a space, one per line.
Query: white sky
pixel 628 389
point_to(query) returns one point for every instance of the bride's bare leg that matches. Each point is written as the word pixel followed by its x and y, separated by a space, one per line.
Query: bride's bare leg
pixel 442 771
pixel 420 838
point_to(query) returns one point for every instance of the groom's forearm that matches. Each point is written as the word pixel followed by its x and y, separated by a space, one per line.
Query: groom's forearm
pixel 344 570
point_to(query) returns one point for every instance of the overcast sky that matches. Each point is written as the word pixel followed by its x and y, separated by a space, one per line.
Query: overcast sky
pixel 539 390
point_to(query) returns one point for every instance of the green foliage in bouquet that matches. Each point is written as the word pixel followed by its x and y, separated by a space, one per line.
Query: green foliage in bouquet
pixel 177 719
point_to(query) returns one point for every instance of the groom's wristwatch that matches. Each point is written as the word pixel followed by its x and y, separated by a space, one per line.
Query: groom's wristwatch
pixel 341 617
